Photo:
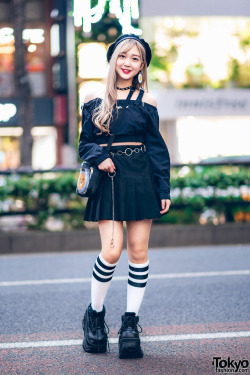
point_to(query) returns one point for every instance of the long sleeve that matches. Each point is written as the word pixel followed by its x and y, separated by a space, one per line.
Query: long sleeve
pixel 158 153
pixel 89 150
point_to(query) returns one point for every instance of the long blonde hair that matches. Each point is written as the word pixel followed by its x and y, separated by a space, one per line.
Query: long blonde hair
pixel 102 115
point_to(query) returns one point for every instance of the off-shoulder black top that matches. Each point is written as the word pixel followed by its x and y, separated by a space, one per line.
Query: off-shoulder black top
pixel 140 123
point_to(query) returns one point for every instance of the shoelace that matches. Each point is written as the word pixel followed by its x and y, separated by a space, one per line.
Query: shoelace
pixel 99 322
pixel 130 322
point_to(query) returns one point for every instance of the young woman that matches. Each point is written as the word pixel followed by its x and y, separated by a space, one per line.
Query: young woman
pixel 135 188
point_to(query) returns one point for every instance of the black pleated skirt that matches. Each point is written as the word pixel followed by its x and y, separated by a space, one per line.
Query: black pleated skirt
pixel 135 190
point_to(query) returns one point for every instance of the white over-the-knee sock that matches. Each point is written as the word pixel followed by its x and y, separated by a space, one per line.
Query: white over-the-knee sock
pixel 137 280
pixel 101 279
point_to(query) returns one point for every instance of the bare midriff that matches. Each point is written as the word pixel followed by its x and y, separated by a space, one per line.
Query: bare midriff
pixel 122 144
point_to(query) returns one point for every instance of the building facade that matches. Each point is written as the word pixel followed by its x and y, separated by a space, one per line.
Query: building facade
pixel 45 73
pixel 200 75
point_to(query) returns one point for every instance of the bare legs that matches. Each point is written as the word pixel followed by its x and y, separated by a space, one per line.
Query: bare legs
pixel 110 254
pixel 137 240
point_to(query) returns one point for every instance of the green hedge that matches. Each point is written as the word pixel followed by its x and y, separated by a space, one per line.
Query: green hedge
pixel 198 194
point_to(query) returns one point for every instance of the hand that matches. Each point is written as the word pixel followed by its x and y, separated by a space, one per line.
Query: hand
pixel 107 165
pixel 165 205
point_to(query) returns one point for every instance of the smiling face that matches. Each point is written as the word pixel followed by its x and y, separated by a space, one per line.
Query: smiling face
pixel 128 64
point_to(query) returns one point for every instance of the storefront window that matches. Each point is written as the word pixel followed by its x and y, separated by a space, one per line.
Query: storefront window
pixel 214 137
pixel 35 60
pixel 6 62
pixel 34 10
pixel 34 39
pixel 10 149
pixel 44 143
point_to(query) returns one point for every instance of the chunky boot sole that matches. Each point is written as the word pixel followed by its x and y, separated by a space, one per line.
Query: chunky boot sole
pixel 90 348
pixel 130 348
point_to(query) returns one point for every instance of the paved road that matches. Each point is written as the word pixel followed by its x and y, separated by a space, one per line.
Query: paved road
pixel 196 307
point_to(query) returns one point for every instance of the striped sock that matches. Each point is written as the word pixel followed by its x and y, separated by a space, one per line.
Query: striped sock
pixel 137 280
pixel 101 279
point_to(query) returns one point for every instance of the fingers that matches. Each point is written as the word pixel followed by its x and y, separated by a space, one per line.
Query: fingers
pixel 112 167
pixel 165 205
pixel 107 166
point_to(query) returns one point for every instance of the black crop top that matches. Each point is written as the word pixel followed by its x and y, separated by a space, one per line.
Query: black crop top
pixel 140 123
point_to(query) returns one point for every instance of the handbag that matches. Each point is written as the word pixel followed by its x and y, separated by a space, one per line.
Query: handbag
pixel 90 175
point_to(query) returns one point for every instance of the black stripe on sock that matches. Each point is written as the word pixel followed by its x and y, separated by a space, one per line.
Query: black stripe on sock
pixel 103 272
pixel 104 266
pixel 100 279
pixel 138 285
pixel 138 269
pixel 139 277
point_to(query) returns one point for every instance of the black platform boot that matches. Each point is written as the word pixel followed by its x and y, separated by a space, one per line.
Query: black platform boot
pixel 95 331
pixel 129 341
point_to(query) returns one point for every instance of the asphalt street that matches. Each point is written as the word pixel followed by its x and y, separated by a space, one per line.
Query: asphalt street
pixel 195 314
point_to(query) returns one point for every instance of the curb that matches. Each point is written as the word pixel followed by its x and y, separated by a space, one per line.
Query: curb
pixel 161 235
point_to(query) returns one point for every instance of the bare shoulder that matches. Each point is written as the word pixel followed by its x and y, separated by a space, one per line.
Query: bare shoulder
pixel 150 99
pixel 93 95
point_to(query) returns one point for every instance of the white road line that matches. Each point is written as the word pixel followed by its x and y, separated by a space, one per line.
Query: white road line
pixel 195 336
pixel 119 278
pixel 46 281
pixel 201 274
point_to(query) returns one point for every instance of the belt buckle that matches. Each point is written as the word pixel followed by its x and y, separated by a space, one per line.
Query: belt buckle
pixel 128 148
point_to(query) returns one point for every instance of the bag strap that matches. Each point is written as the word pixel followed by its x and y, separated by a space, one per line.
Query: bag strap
pixel 118 120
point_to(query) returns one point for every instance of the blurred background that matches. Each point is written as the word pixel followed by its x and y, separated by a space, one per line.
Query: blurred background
pixel 52 52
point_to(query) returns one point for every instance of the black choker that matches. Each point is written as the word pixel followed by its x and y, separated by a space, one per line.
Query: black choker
pixel 124 88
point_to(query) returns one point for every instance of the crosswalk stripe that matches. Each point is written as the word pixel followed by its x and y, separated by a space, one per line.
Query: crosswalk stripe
pixel 166 338
pixel 119 278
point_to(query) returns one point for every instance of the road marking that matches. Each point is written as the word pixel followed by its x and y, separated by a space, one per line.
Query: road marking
pixel 195 336
pixel 119 278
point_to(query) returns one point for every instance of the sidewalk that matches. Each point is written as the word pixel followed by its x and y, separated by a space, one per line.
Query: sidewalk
pixel 162 235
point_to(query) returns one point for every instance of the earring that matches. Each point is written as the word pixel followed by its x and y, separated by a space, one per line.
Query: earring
pixel 140 77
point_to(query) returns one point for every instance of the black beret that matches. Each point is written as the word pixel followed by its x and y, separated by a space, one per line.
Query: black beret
pixel 130 36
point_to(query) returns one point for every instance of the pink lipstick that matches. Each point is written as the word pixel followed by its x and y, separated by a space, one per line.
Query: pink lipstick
pixel 126 71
